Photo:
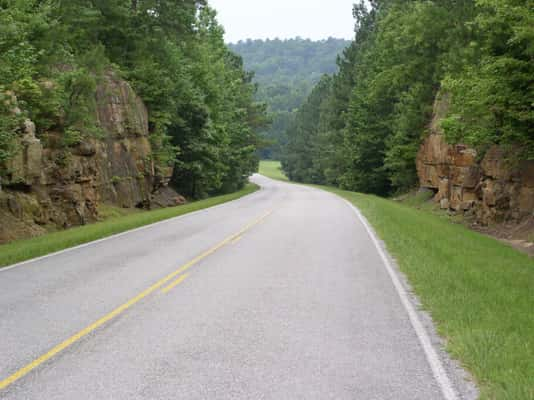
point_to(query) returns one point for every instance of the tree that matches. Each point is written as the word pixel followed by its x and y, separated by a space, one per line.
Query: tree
pixel 404 53
pixel 286 72
pixel 493 91
pixel 202 113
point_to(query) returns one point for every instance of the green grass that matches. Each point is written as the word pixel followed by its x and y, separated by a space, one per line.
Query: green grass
pixel 417 200
pixel 273 170
pixel 118 221
pixel 479 291
pixel 107 211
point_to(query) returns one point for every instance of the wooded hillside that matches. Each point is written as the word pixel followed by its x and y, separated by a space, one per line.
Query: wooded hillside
pixel 287 71
pixel 361 128
pixel 202 114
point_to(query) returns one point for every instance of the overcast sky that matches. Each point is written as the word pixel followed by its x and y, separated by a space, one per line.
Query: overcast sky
pixel 261 19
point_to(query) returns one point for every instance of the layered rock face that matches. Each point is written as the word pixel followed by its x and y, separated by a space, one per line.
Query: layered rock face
pixel 493 189
pixel 50 186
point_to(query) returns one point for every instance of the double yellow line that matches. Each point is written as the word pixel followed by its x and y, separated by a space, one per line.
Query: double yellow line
pixel 179 280
pixel 119 310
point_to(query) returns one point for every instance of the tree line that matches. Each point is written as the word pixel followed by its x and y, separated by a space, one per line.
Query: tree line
pixel 361 127
pixel 202 109
pixel 286 72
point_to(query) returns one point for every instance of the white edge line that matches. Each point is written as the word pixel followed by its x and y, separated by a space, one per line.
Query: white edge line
pixel 438 370
pixel 116 235
pixel 432 357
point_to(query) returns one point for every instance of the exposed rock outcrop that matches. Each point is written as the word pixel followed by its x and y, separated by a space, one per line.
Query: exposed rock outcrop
pixel 494 188
pixel 48 185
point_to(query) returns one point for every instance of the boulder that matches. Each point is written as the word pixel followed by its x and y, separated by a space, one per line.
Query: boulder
pixel 120 112
pixel 526 201
pixel 85 149
pixel 166 197
pixel 443 190
pixel 527 174
pixel 456 198
pixel 493 189
pixel 465 176
pixel 25 166
pixel 51 186
pixel 494 164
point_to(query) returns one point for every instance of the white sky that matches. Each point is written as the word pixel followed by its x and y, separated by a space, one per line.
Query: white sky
pixel 262 19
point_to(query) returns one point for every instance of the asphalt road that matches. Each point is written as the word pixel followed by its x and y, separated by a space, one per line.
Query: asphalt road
pixel 279 295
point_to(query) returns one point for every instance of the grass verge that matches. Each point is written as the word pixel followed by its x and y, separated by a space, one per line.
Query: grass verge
pixel 273 170
pixel 479 291
pixel 26 249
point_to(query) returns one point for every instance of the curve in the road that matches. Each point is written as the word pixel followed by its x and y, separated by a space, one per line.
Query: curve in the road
pixel 294 304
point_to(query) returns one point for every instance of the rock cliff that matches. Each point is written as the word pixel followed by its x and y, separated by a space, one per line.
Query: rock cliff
pixel 50 186
pixel 492 188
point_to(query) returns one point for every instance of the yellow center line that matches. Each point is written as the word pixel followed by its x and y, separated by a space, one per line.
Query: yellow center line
pixel 180 279
pixel 119 310
pixel 237 239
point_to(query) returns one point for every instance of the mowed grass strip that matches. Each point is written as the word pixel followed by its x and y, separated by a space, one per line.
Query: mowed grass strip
pixel 273 170
pixel 479 291
pixel 22 250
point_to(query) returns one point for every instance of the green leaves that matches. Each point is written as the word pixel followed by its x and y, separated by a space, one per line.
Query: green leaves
pixel 201 102
pixel 10 122
pixel 479 52
pixel 286 72
pixel 493 94
pixel 303 150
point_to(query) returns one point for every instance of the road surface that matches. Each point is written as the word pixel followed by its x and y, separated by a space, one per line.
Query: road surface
pixel 279 295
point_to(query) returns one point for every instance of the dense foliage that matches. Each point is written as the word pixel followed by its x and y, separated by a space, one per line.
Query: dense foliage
pixel 202 111
pixel 286 72
pixel 361 129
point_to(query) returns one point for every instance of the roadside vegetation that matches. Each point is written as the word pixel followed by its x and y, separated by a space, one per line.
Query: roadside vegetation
pixel 273 170
pixel 117 221
pixel 479 291
pixel 360 129
pixel 203 114
pixel 286 72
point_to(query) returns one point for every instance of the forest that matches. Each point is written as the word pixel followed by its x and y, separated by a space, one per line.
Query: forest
pixel 361 127
pixel 202 109
pixel 286 72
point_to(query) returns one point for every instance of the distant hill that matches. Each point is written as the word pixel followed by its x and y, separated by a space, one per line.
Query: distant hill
pixel 286 71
